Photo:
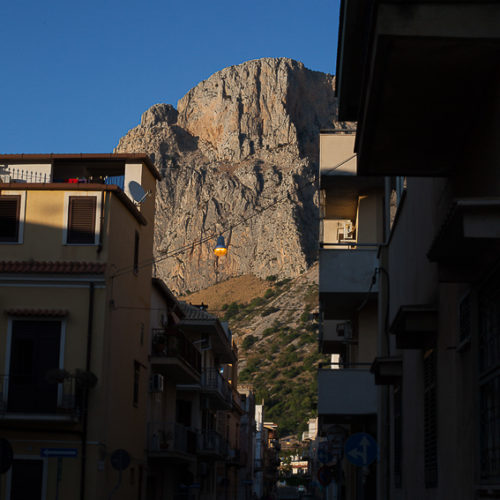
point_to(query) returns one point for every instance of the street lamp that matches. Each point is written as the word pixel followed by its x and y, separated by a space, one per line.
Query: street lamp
pixel 220 248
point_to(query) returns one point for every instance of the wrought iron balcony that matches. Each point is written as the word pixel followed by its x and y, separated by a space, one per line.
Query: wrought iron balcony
pixel 217 389
pixel 211 443
pixel 173 354
pixel 25 397
pixel 171 438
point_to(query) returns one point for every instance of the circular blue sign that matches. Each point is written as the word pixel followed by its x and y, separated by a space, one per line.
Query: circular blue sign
pixel 361 449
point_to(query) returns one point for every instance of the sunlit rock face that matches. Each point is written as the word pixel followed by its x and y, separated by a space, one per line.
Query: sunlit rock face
pixel 239 157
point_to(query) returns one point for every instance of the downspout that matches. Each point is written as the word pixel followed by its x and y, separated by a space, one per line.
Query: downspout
pixel 86 393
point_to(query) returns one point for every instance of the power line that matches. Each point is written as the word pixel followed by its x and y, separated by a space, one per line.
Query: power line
pixel 193 244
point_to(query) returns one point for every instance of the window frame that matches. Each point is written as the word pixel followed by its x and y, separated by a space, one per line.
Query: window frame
pixel 8 353
pixel 97 221
pixel 21 214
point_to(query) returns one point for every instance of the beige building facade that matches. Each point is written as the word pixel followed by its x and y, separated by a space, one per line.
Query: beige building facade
pixel 75 286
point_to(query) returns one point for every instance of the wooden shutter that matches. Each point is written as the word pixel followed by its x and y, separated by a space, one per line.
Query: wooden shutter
pixel 81 219
pixel 9 218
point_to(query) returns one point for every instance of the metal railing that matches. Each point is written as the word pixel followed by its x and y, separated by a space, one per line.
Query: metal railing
pixel 28 175
pixel 212 442
pixel 27 394
pixel 349 245
pixel 13 174
pixel 212 380
pixel 173 344
pixel 344 365
pixel 167 437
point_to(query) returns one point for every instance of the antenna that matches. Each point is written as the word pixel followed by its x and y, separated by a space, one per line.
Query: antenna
pixel 137 192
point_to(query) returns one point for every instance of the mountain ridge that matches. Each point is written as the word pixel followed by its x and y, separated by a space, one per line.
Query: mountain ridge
pixel 239 158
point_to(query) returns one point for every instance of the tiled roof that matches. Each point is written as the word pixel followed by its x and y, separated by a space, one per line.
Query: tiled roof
pixel 52 267
pixel 54 313
pixel 194 313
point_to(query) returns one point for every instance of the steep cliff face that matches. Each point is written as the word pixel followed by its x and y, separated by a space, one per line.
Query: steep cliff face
pixel 239 158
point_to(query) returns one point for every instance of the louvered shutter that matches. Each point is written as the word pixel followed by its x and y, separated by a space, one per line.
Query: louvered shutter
pixel 9 218
pixel 81 219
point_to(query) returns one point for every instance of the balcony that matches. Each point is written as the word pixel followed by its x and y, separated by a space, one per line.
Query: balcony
pixel 170 440
pixel 216 389
pixel 335 335
pixel 346 393
pixel 345 278
pixel 175 356
pixel 212 445
pixel 23 399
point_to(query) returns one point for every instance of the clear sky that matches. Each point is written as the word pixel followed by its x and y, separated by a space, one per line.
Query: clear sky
pixel 77 75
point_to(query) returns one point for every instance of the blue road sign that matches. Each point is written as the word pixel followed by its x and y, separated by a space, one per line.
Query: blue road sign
pixel 59 452
pixel 361 449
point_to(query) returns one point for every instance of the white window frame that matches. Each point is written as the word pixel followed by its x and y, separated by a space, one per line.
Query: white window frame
pixel 22 215
pixel 8 347
pixel 97 223
pixel 44 475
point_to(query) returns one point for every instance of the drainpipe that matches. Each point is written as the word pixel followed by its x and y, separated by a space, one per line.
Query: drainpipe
pixel 86 392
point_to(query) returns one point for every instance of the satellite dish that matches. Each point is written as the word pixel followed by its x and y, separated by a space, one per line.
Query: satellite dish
pixel 137 192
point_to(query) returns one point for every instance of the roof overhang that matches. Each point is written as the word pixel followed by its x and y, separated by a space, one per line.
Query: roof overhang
pixel 405 71
pixel 472 225
pixel 387 370
pixel 415 326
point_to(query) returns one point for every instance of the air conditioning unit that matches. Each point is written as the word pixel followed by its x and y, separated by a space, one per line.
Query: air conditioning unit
pixel 156 383
pixel 345 330
pixel 5 178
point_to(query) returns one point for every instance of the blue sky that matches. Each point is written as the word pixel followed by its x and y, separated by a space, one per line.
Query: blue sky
pixel 76 76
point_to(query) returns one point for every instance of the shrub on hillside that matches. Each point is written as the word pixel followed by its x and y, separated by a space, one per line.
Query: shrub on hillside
pixel 248 341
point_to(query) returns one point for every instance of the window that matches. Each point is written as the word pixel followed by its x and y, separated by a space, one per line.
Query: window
pixel 9 218
pixel 489 378
pixel 35 350
pixel 81 220
pixel 430 420
pixel 136 253
pixel 137 373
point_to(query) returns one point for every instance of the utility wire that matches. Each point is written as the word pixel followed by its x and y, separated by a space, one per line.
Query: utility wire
pixel 193 244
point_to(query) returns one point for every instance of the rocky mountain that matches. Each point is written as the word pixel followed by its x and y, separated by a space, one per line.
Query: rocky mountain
pixel 238 158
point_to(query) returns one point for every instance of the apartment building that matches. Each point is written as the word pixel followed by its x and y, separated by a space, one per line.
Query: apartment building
pixel 421 79
pixel 173 422
pixel 247 441
pixel 215 420
pixel 76 236
pixel 351 230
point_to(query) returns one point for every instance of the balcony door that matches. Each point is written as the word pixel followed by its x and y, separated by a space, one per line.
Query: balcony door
pixel 26 479
pixel 35 347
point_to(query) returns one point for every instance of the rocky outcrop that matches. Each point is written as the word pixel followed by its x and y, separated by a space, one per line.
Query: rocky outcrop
pixel 238 157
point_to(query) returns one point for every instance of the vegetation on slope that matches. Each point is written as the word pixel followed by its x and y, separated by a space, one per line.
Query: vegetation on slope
pixel 277 335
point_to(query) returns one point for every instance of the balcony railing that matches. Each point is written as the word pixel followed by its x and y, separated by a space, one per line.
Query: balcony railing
pixel 213 381
pixel 346 390
pixel 30 175
pixel 173 344
pixel 171 437
pixel 23 397
pixel 211 442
